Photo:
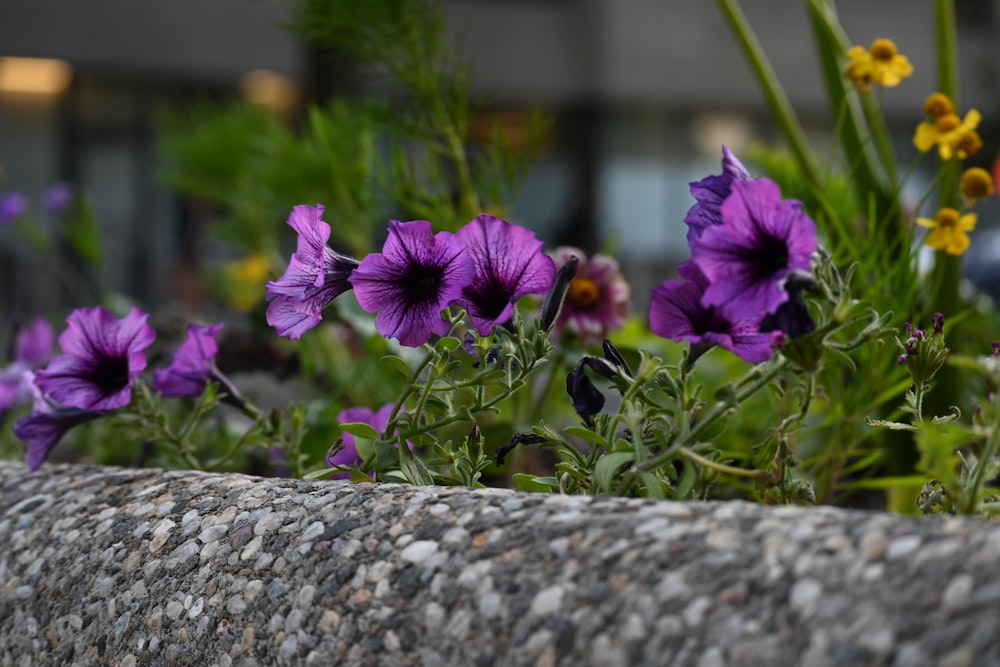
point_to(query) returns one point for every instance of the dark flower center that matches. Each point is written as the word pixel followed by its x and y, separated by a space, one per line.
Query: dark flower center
pixel 583 293
pixel 708 320
pixel 111 374
pixel 489 296
pixel 422 284
pixel 768 257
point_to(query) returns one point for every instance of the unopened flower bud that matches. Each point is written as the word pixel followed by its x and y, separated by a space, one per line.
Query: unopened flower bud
pixel 554 300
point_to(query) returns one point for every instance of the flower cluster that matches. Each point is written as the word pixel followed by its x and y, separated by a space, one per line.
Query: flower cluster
pixel 484 268
pixel 94 376
pixel 881 64
pixel 746 243
pixel 954 137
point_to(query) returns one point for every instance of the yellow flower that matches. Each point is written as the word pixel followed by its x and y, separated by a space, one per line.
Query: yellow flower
pixel 245 280
pixel 882 64
pixel 951 135
pixel 937 105
pixel 976 183
pixel 948 230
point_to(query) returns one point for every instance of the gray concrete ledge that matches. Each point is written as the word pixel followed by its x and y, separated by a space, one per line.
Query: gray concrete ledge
pixel 106 566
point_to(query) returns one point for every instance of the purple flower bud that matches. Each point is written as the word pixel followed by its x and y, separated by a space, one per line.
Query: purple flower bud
pixel 587 400
pixel 996 348
pixel 901 360
pixel 938 323
pixel 612 354
pixel 517 439
pixel 554 299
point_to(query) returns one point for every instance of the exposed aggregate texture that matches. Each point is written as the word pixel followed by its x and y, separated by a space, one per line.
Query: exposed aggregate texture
pixel 127 567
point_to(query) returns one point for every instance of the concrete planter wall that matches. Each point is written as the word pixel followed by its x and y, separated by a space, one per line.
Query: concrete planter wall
pixel 104 566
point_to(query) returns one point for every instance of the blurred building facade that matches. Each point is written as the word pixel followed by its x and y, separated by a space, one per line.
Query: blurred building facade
pixel 643 93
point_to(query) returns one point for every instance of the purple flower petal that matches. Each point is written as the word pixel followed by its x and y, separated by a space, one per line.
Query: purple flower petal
pixel 46 425
pixel 348 456
pixel 760 241
pixel 12 206
pixel 33 344
pixel 711 191
pixel 101 358
pixel 509 263
pixel 412 280
pixel 14 388
pixel 193 364
pixel 677 313
pixel 316 275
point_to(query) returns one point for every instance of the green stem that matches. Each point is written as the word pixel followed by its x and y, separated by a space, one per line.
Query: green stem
pixel 720 467
pixel 758 379
pixel 985 461
pixel 774 94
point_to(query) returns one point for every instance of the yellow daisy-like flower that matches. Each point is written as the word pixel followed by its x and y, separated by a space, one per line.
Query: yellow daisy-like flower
pixel 948 230
pixel 952 136
pixel 937 105
pixel 882 64
pixel 976 183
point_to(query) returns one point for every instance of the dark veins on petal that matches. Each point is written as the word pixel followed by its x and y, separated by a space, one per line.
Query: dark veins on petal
pixel 489 296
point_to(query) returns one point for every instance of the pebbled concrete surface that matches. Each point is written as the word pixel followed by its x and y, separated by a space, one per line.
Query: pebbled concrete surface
pixel 126 567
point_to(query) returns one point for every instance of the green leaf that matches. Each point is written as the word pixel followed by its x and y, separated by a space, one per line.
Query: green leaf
pixel 525 482
pixel 319 474
pixel 587 434
pixel 608 466
pixel 360 430
pixel 687 481
pixel 415 469
pixel 654 486
pixel 447 344
pixel 398 364
pixel 726 394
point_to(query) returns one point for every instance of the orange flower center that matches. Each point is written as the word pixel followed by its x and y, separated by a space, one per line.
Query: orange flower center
pixel 947 217
pixel 583 293
pixel 883 50
pixel 937 105
pixel 947 122
pixel 970 143
pixel 976 183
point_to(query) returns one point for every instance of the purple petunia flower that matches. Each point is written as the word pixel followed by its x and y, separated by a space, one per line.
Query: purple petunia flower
pixel 193 365
pixel 59 197
pixel 745 259
pixel 711 191
pixel 32 349
pixel 677 313
pixel 47 424
pixel 348 456
pixel 316 275
pixel 412 280
pixel 509 263
pixel 12 206
pixel 101 358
